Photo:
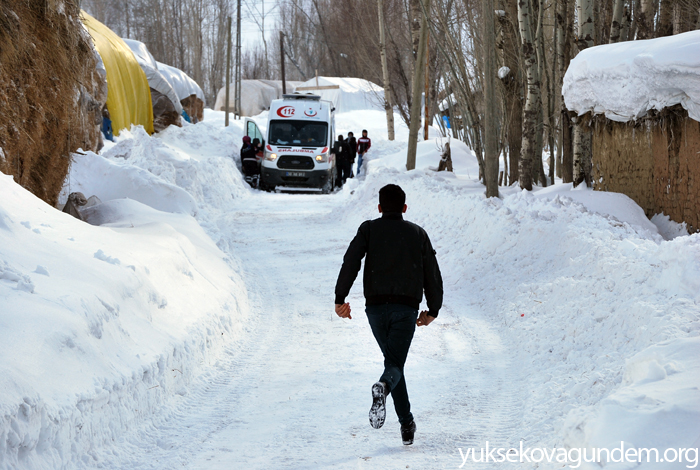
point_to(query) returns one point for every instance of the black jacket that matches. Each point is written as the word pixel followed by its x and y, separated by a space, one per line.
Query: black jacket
pixel 400 264
pixel 248 152
pixel 341 149
pixel 352 143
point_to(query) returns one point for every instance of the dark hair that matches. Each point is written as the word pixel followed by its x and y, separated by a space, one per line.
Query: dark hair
pixel 350 134
pixel 392 198
pixel 256 141
pixel 364 130
pixel 340 137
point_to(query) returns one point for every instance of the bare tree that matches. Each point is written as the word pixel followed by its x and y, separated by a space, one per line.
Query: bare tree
pixel 419 71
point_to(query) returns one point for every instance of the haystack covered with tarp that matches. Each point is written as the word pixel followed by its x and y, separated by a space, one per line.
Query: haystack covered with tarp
pixel 190 94
pixel 346 94
pixel 51 95
pixel 166 103
pixel 128 93
pixel 256 96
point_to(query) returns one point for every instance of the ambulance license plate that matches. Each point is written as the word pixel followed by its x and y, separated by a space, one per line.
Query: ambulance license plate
pixel 295 173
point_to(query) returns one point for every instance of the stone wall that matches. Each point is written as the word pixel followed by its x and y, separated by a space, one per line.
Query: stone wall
pixel 655 161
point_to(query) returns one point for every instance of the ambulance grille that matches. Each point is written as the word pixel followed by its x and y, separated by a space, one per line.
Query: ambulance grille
pixel 295 162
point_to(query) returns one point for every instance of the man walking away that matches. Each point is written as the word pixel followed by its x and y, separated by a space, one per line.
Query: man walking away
pixel 363 145
pixel 341 150
pixel 400 265
pixel 352 143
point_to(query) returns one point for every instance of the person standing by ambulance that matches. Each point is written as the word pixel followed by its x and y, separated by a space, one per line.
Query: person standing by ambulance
pixel 363 145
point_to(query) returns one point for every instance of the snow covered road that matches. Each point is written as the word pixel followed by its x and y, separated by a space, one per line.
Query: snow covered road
pixel 569 321
pixel 296 392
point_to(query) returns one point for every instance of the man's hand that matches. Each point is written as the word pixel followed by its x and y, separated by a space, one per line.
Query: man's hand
pixel 423 319
pixel 343 311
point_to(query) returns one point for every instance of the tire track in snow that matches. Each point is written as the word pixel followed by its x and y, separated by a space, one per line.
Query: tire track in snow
pixel 295 392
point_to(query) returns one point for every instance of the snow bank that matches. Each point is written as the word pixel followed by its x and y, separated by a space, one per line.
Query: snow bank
pixel 191 169
pixel 602 313
pixel 100 324
pixel 627 79
pixel 92 174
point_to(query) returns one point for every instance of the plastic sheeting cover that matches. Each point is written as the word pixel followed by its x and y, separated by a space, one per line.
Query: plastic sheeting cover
pixel 143 55
pixel 129 95
pixel 156 80
pixel 183 85
pixel 256 95
pixel 353 94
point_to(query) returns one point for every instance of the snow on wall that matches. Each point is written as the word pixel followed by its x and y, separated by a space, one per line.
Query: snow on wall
pixel 627 79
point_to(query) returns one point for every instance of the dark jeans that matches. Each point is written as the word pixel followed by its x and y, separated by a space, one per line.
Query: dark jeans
pixel 393 326
pixel 344 170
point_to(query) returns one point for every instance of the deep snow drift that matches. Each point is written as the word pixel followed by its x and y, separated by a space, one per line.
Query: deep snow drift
pixel 569 319
pixel 627 79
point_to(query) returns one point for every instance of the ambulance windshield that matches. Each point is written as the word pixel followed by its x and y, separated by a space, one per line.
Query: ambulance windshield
pixel 295 133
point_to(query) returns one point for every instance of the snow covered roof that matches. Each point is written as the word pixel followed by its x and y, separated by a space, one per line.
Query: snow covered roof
pixel 352 94
pixel 627 79
pixel 183 85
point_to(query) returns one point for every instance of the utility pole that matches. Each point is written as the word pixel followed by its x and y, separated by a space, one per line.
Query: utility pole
pixel 418 78
pixel 427 86
pixel 385 73
pixel 284 81
pixel 237 99
pixel 228 70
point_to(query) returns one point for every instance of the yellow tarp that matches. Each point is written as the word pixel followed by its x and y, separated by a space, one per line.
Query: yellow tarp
pixel 128 94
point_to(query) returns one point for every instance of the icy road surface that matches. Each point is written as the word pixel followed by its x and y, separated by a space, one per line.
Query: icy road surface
pixel 296 392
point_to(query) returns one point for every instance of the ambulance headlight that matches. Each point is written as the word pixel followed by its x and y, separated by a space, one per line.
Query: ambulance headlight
pixel 322 158
pixel 270 156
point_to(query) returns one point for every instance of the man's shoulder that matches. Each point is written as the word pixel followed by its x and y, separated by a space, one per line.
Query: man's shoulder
pixel 416 227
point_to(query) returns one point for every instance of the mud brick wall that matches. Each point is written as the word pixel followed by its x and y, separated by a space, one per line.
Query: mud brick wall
pixel 655 161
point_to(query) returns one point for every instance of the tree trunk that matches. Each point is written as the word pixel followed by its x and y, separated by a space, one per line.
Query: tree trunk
pixel 665 27
pixel 385 73
pixel 645 20
pixel 583 143
pixel 586 27
pixel 532 100
pixel 490 118
pixel 616 21
pixel 538 165
pixel 416 22
pixel 418 72
pixel 512 86
pixel 625 28
pixel 561 42
pixel 582 133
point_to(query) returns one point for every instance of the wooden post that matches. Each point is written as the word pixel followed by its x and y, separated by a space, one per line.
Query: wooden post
pixel 237 98
pixel 228 71
pixel 284 79
pixel 385 74
pixel 427 87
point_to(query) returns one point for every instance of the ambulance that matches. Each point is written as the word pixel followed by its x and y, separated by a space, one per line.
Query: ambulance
pixel 300 132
